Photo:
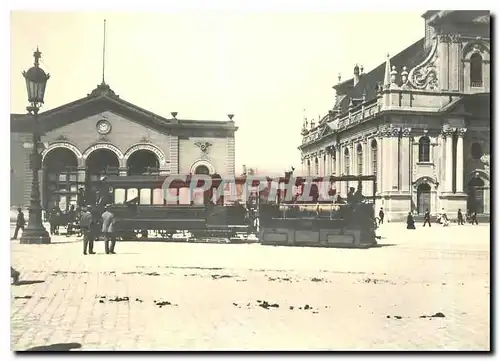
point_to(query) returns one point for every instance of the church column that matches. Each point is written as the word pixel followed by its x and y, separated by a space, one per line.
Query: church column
pixel 390 149
pixel 443 61
pixel 448 158
pixel 380 143
pixel 367 186
pixel 460 160
pixel 406 166
pixel 337 166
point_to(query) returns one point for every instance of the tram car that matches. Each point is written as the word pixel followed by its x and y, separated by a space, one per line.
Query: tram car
pixel 324 218
pixel 146 208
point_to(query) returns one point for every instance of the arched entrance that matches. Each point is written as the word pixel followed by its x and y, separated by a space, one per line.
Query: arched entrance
pixel 475 192
pixel 423 198
pixel 60 179
pixel 202 169
pixel 143 162
pixel 100 163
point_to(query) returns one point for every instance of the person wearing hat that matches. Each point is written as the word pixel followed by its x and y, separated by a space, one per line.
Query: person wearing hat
pixel 108 223
pixel 88 235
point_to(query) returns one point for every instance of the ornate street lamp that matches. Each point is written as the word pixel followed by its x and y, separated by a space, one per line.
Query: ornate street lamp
pixel 36 80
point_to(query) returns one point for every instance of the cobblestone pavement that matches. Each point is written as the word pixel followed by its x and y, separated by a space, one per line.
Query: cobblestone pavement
pixel 159 296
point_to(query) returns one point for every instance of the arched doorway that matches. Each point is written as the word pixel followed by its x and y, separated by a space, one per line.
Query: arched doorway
pixel 100 163
pixel 475 192
pixel 202 169
pixel 423 198
pixel 143 162
pixel 60 179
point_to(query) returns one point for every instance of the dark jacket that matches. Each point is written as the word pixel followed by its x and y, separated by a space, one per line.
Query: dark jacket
pixel 20 220
pixel 86 220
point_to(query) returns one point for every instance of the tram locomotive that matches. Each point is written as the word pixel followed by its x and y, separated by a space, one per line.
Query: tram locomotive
pixel 329 221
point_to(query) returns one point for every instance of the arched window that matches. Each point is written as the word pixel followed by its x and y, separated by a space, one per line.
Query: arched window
pixel 424 149
pixel 316 166
pixel 476 71
pixel 324 165
pixel 347 161
pixel 374 157
pixel 359 153
pixel 476 151
pixel 309 167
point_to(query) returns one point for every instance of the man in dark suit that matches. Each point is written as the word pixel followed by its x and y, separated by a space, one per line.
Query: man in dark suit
pixel 460 217
pixel 108 223
pixel 88 235
pixel 427 218
pixel 20 222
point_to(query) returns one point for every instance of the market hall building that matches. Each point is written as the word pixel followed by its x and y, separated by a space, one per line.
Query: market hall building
pixel 420 122
pixel 102 134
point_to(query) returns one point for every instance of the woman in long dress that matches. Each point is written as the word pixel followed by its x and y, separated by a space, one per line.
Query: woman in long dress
pixel 410 222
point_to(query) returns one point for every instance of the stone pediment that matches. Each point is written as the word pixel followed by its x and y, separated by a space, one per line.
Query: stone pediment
pixel 103 99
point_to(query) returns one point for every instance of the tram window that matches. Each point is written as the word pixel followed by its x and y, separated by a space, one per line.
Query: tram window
pixel 158 196
pixel 73 200
pixel 198 196
pixel 62 177
pixel 145 196
pixel 184 196
pixel 81 176
pixel 119 195
pixel 72 177
pixel 73 188
pixel 171 196
pixel 131 193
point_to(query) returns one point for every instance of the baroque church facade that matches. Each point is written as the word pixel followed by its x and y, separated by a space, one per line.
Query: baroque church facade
pixel 420 122
pixel 102 134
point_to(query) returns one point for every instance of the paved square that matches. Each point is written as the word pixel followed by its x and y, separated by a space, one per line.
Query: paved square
pixel 172 296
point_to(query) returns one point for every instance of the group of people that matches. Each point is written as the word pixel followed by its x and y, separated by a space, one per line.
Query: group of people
pixel 93 225
pixel 442 218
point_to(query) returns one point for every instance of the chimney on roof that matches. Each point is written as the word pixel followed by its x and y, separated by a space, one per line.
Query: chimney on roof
pixel 356 74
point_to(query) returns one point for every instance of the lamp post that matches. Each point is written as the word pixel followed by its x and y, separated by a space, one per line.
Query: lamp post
pixel 36 80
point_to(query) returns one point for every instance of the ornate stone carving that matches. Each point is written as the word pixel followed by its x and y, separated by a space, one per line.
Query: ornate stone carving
pixel 461 131
pixel 447 131
pixel 475 46
pixel 405 132
pixel 203 145
pixel 389 131
pixel 455 38
pixel 485 159
pixel 424 75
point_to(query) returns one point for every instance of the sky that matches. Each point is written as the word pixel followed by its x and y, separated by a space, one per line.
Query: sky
pixel 264 67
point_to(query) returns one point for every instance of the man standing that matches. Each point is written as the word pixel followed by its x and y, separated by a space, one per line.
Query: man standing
pixel 460 218
pixel 20 222
pixel 381 216
pixel 427 218
pixel 108 223
pixel 88 234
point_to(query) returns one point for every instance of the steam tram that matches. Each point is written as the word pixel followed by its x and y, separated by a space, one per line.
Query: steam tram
pixel 273 211
pixel 144 208
pixel 323 220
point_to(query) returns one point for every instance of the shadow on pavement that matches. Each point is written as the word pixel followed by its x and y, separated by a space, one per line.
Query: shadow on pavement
pixel 378 245
pixel 26 282
pixel 55 347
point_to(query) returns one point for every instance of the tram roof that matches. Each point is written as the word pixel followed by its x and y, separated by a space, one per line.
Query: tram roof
pixel 157 181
